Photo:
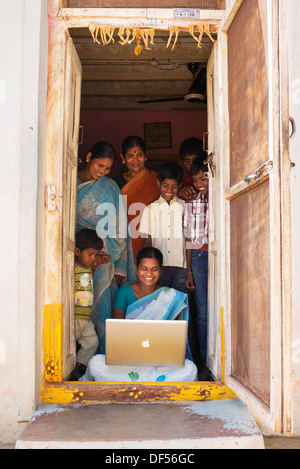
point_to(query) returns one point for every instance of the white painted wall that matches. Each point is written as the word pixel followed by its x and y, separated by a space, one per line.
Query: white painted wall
pixel 23 30
pixel 295 194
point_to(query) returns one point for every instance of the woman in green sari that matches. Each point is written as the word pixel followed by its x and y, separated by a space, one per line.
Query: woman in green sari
pixel 100 207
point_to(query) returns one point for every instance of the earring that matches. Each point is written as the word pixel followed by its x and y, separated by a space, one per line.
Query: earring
pixel 79 160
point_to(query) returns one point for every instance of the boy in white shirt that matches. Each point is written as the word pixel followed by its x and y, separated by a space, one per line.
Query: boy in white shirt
pixel 162 227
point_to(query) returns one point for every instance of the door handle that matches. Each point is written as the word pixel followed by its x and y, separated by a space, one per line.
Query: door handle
pixel 204 142
pixel 80 134
pixel 293 131
pixel 258 173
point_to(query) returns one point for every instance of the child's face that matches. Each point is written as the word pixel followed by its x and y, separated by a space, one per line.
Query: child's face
pixel 168 188
pixel 86 257
pixel 201 182
pixel 188 161
pixel 149 272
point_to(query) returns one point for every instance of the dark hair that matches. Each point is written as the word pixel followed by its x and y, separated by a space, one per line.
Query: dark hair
pixel 103 150
pixel 99 150
pixel 133 141
pixel 149 253
pixel 170 171
pixel 198 166
pixel 192 146
pixel 86 239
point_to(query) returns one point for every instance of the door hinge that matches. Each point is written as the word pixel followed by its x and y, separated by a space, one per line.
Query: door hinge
pixel 51 198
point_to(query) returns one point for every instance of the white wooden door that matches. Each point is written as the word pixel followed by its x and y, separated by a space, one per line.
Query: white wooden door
pixel 250 150
pixel 214 343
pixel 71 130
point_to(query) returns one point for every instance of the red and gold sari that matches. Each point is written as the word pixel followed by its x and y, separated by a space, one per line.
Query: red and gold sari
pixel 141 189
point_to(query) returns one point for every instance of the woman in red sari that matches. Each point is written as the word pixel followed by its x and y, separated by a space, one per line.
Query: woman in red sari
pixel 137 183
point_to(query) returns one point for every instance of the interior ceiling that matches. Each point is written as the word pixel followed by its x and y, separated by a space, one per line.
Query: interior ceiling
pixel 113 77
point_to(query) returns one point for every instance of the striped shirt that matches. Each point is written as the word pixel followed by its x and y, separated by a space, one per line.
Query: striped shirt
pixel 83 292
pixel 195 221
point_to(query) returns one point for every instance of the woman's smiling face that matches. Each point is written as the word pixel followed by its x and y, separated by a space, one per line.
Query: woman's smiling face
pixel 98 167
pixel 149 271
pixel 135 159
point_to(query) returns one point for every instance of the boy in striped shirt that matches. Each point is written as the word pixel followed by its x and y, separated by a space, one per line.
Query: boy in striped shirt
pixel 196 232
pixel 87 254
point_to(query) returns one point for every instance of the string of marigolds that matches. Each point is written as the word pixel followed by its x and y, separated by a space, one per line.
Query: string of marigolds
pixel 145 36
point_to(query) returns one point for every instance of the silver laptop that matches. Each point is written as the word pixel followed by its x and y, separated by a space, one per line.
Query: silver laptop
pixel 145 342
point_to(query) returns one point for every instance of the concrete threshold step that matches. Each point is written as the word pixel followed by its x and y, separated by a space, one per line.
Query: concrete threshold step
pixel 220 424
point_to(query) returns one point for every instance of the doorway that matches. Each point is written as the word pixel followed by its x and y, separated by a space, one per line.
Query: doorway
pixel 138 94
pixel 226 197
pixel 54 367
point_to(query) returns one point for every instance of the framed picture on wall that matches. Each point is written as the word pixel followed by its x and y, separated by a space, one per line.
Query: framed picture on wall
pixel 157 135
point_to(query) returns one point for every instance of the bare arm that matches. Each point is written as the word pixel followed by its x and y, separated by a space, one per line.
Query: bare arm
pixel 118 314
pixel 187 192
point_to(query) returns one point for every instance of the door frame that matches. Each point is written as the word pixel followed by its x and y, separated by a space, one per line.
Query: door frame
pixel 277 418
pixel 53 388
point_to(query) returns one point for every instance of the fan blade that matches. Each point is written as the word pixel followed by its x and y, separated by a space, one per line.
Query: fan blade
pixel 162 100
pixel 199 84
pixel 198 88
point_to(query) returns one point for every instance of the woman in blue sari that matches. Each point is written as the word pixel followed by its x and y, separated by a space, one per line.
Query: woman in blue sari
pixel 146 299
pixel 100 207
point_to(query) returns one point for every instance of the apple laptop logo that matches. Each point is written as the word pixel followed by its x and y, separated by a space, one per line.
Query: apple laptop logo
pixel 146 343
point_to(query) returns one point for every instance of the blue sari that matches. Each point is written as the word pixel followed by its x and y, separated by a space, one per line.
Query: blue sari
pixel 100 207
pixel 163 304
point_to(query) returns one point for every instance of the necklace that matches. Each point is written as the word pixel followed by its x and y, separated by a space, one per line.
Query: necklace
pixel 139 292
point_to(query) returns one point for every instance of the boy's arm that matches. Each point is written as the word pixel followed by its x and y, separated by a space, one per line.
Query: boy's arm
pixel 189 281
pixel 145 227
pixel 101 258
pixel 186 192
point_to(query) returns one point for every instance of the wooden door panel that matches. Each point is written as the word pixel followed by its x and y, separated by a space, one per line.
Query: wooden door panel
pixel 250 289
pixel 72 110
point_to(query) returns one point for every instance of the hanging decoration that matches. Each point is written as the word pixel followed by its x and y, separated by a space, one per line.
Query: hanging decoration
pixel 145 36
pixel 173 30
pixel 201 28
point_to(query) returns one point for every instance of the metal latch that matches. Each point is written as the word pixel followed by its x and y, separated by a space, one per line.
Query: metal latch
pixel 293 128
pixel 80 134
pixel 258 173
pixel 210 163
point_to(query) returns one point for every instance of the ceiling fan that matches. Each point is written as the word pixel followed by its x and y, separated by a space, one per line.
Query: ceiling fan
pixel 196 93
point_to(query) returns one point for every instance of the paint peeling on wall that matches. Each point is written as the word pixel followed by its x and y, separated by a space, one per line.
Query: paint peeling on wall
pixel 2 351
